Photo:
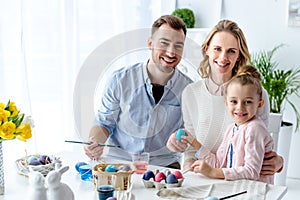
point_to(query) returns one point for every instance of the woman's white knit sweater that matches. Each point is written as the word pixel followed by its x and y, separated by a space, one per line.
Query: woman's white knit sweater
pixel 206 116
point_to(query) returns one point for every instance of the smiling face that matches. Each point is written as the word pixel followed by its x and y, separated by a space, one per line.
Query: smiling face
pixel 223 52
pixel 166 46
pixel 242 102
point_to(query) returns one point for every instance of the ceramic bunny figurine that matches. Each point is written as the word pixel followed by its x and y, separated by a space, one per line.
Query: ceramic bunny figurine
pixel 37 186
pixel 55 189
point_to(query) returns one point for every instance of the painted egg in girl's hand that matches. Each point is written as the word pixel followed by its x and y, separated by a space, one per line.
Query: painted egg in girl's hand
pixel 180 132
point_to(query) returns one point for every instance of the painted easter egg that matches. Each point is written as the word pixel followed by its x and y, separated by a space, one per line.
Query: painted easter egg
pixel 110 168
pixel 31 159
pixel 180 132
pixel 35 162
pixel 171 179
pixel 148 174
pixel 124 168
pixel 160 176
pixel 211 198
pixel 111 198
pixel 178 174
pixel 44 159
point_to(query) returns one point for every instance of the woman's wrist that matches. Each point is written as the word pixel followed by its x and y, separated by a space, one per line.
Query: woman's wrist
pixel 197 145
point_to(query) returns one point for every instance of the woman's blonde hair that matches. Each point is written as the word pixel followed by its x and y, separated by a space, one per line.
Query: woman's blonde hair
pixel 232 28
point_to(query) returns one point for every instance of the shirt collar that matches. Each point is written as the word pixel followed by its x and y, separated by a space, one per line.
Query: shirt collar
pixel 148 81
pixel 214 88
pixel 145 73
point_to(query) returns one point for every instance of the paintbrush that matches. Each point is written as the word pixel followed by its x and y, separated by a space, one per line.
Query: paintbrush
pixel 185 171
pixel 88 143
pixel 233 195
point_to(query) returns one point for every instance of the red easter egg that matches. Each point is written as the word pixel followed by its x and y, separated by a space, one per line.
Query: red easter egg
pixel 178 174
pixel 160 176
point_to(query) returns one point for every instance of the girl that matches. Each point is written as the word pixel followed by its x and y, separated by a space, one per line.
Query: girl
pixel 241 153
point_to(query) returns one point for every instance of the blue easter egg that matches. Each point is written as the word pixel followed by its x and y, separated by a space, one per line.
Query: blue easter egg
pixel 148 174
pixel 211 198
pixel 110 168
pixel 171 179
pixel 32 159
pixel 111 198
pixel 35 162
pixel 180 132
pixel 79 164
pixel 124 168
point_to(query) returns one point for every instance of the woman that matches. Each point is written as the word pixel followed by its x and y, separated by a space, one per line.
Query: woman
pixel 204 112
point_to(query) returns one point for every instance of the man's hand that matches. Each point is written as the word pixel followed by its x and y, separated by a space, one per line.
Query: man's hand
pixel 176 145
pixel 272 163
pixel 98 135
pixel 93 151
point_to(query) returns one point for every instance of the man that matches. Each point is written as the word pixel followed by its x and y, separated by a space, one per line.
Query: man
pixel 141 104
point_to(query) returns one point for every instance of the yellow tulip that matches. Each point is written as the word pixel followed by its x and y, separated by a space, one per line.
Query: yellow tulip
pixel 13 109
pixel 24 132
pixel 7 130
pixel 4 114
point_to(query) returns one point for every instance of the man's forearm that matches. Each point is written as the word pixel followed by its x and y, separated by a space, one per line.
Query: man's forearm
pixel 99 134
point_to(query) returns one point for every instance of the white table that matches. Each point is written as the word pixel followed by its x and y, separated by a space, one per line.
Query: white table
pixel 17 187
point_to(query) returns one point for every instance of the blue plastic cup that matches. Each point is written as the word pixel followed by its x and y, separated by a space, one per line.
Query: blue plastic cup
pixel 85 172
pixel 105 191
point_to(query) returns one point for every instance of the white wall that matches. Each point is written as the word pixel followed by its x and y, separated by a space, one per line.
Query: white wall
pixel 265 25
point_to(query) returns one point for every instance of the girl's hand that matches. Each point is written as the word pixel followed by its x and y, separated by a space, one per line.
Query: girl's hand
pixel 188 163
pixel 200 166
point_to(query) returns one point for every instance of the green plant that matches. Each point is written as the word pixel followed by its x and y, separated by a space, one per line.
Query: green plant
pixel 280 84
pixel 187 16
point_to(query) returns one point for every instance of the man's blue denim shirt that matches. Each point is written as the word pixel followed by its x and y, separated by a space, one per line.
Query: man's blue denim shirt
pixel 128 111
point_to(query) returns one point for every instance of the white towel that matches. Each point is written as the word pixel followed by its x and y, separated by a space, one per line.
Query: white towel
pixel 255 190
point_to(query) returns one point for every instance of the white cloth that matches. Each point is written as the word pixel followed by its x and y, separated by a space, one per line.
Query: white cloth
pixel 206 117
pixel 255 191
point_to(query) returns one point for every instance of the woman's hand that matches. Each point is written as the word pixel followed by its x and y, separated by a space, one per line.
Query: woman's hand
pixel 272 163
pixel 176 145
pixel 190 139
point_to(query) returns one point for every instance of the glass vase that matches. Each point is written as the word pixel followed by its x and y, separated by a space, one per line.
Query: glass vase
pixel 1 171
